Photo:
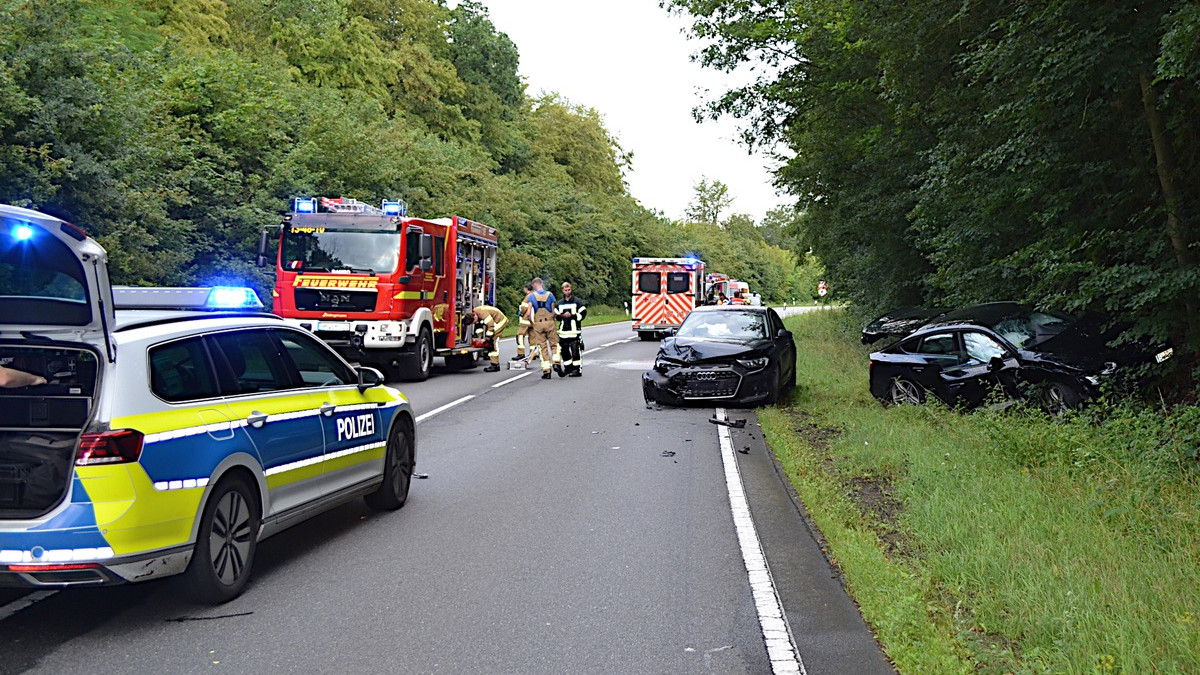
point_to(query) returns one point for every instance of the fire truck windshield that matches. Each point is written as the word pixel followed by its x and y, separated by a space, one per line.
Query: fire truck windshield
pixel 323 250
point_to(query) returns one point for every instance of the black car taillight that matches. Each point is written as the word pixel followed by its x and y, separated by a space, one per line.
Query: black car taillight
pixel 110 447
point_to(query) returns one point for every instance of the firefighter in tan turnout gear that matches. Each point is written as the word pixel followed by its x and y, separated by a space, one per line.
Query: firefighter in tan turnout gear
pixel 544 333
pixel 524 325
pixel 571 313
pixel 490 322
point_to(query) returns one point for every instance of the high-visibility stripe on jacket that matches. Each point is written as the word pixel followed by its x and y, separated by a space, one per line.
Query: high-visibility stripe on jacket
pixel 571 326
pixel 523 313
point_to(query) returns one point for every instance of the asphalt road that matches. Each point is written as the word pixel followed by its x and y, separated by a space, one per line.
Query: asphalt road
pixel 563 528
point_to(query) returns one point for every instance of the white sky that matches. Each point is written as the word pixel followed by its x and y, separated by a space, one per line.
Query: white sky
pixel 629 60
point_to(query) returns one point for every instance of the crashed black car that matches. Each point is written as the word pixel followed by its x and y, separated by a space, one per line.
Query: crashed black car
pixel 965 355
pixel 727 354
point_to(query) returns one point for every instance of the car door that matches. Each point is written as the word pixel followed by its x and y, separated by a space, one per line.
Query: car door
pixel 785 346
pixel 265 396
pixel 938 353
pixel 352 426
pixel 976 377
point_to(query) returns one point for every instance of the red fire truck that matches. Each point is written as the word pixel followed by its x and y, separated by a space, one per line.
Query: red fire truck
pixel 381 288
pixel 665 290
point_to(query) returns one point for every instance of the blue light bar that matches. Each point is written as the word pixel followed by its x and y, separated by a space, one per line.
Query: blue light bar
pixel 303 205
pixel 394 208
pixel 22 232
pixel 232 297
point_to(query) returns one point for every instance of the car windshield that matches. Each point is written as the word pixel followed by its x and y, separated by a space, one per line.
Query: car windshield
pixel 323 250
pixel 726 325
pixel 1032 328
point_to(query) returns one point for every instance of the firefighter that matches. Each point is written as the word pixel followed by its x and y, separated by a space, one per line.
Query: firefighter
pixel 571 312
pixel 490 322
pixel 544 335
pixel 524 325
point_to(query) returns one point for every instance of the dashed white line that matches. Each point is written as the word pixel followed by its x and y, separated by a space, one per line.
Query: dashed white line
pixel 22 603
pixel 437 411
pixel 777 635
pixel 511 379
pixel 614 342
pixel 594 349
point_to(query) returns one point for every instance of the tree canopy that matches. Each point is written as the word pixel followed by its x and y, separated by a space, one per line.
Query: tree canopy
pixel 952 153
pixel 175 131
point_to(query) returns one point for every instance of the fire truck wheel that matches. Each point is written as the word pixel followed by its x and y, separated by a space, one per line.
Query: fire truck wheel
pixel 421 359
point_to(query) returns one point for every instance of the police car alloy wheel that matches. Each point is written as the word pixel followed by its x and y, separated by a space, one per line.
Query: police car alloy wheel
pixel 398 469
pixel 226 542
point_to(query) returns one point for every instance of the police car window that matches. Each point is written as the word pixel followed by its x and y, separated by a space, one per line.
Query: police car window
pixel 981 348
pixel 41 281
pixel 650 282
pixel 181 371
pixel 248 362
pixel 317 367
pixel 678 282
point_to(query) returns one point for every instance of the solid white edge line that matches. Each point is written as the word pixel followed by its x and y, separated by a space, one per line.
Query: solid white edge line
pixel 777 634
pixel 19 604
pixel 511 379
pixel 436 411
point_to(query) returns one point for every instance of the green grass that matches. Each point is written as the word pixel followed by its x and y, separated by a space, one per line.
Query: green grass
pixel 1008 542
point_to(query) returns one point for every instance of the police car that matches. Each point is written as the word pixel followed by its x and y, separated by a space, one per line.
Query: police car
pixel 173 433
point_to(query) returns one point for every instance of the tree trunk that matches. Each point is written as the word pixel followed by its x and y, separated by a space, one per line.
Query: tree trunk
pixel 1167 171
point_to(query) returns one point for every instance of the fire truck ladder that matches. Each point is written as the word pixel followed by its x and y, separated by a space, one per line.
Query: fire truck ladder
pixel 347 205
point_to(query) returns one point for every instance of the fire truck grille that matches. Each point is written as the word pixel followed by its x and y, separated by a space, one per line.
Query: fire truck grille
pixel 711 384
pixel 313 299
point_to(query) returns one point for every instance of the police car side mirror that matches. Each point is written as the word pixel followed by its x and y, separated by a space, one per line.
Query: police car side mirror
pixel 368 378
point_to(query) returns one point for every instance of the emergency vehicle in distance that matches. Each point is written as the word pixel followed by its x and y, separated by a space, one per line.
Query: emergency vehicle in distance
pixel 381 288
pixel 715 285
pixel 665 290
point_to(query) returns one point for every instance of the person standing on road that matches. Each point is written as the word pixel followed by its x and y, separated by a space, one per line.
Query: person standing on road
pixel 542 310
pixel 491 322
pixel 571 313
pixel 524 324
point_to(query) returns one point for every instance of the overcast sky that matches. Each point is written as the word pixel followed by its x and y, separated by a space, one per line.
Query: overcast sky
pixel 629 60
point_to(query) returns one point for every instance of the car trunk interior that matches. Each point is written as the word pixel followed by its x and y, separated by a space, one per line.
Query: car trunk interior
pixel 40 425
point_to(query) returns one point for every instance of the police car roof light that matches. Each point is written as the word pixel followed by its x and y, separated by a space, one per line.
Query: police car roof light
pixel 22 232
pixel 233 297
pixel 304 205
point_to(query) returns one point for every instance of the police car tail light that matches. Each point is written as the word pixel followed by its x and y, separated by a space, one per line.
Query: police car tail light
pixel 110 447
pixel 54 567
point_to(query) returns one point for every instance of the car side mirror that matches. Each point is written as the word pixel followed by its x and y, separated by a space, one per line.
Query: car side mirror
pixel 996 364
pixel 263 242
pixel 783 332
pixel 368 378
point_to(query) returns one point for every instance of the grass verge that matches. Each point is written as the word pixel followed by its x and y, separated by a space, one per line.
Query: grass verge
pixel 998 542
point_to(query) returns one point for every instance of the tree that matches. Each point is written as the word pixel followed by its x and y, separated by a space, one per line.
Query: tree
pixel 710 201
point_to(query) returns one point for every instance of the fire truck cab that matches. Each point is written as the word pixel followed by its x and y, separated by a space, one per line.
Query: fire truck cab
pixel 665 290
pixel 382 288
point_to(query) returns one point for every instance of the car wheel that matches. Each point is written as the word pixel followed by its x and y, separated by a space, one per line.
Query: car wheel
pixel 1059 396
pixel 789 383
pixel 422 357
pixel 905 391
pixel 773 395
pixel 398 465
pixel 225 542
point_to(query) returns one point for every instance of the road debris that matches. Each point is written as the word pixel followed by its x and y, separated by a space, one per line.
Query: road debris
pixel 183 619
pixel 421 476
pixel 739 423
pixel 745 451
pixel 668 453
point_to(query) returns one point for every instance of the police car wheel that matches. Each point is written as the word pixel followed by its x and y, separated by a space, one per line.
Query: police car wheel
pixel 397 469
pixel 226 542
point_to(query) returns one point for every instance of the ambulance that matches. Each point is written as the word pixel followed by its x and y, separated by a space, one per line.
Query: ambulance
pixel 665 290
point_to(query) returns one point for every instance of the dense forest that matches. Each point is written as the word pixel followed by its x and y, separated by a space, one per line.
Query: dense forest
pixel 175 130
pixel 946 153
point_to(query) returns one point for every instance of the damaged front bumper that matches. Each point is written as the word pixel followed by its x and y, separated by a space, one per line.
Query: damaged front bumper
pixel 730 384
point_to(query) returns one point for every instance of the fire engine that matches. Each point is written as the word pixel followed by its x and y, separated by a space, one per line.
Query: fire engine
pixel 665 290
pixel 380 287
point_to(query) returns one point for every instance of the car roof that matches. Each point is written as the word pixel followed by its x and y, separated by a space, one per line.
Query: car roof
pixel 987 314
pixel 181 321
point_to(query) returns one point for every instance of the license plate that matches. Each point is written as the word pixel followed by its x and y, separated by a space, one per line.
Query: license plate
pixel 335 326
pixel 1164 355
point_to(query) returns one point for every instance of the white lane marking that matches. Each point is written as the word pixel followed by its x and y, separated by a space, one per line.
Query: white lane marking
pixel 781 646
pixel 19 604
pixel 609 344
pixel 511 379
pixel 594 349
pixel 437 411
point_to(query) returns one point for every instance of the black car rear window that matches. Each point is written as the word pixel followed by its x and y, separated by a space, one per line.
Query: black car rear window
pixel 650 282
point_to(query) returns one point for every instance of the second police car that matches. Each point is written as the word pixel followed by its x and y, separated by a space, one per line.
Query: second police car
pixel 152 440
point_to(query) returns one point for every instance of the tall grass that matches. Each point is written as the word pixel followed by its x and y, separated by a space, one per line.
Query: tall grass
pixel 1028 544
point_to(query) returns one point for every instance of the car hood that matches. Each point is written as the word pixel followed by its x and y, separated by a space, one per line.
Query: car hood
pixel 1081 347
pixel 691 350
